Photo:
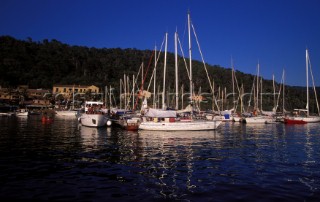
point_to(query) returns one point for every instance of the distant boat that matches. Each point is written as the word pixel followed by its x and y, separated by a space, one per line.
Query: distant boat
pixel 47 116
pixel 129 123
pixel 94 116
pixel 22 112
pixel 7 110
pixel 302 116
pixel 126 119
pixel 67 113
pixel 258 119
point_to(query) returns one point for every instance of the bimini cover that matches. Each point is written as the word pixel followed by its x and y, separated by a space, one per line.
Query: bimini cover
pixel 158 113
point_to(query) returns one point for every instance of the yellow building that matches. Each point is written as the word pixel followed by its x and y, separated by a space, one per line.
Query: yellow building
pixel 69 89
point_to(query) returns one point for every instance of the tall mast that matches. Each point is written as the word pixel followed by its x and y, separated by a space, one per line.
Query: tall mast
pixel 176 67
pixel 307 72
pixel 154 77
pixel 190 62
pixel 283 95
pixel 261 94
pixel 164 73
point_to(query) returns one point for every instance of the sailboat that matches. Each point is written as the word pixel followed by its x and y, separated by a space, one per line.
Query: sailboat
pixel 257 117
pixel 302 116
pixel 169 120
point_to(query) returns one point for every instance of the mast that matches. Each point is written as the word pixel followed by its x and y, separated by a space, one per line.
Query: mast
pixel 261 94
pixel 164 73
pixel 105 96
pixel 283 96
pixel 128 90
pixel 154 77
pixel 110 102
pixel 133 90
pixel 213 95
pixel 233 100
pixel 307 72
pixel 125 90
pixel 120 92
pixel 190 63
pixel 257 102
pixel 241 99
pixel 73 97
pixel 176 67
pixel 274 93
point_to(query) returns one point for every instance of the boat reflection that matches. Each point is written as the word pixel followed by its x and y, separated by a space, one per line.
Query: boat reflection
pixel 92 137
pixel 171 157
pixel 190 135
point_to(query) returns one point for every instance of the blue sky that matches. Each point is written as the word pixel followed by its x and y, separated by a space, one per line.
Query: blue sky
pixel 274 33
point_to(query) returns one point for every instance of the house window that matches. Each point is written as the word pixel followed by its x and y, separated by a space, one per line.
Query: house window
pixel 57 90
pixel 64 90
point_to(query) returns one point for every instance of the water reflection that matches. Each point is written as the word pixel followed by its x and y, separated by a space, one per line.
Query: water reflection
pixel 67 161
pixel 172 159
pixel 92 138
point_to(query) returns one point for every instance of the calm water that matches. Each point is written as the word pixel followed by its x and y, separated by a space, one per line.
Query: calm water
pixel 65 161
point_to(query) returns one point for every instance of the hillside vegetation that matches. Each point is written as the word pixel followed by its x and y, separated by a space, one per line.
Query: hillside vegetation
pixel 43 64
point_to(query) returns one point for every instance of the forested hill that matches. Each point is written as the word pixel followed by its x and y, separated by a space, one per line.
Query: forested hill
pixel 43 64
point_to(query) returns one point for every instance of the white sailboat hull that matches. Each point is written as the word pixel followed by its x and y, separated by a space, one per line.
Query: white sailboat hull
pixel 257 120
pixel 194 125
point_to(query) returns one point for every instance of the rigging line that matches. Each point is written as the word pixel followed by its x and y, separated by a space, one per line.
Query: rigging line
pixel 185 30
pixel 253 87
pixel 134 84
pixel 145 76
pixel 184 59
pixel 204 64
pixel 281 87
pixel 155 67
pixel 239 93
pixel 205 67
pixel 314 88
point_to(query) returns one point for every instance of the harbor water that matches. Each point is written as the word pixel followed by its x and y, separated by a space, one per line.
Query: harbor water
pixel 64 161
